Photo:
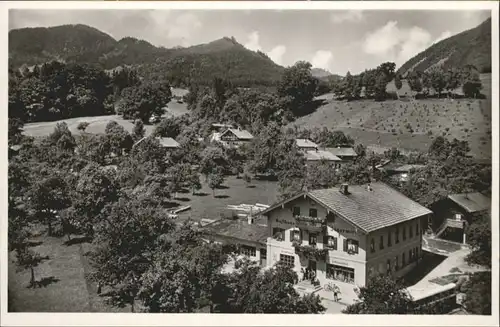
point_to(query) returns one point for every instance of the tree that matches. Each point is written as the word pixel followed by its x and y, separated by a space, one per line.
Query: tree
pixel 82 126
pixel 215 180
pixel 415 82
pixel 247 178
pixel 382 295
pixel 118 138
pixel 125 243
pixel 452 80
pixel 478 293
pixel 143 101
pixel 471 84
pixel 398 83
pixel 168 127
pixel 438 80
pixel 194 182
pixel 94 190
pixel 322 175
pixel 139 131
pixel 298 83
pixel 271 291
pixel 48 196
pixel 380 87
pixel 213 161
pixel 28 259
pixel 479 238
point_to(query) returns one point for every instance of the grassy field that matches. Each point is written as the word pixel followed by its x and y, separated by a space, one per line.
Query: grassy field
pixel 234 192
pixel 98 123
pixel 409 124
pixel 65 287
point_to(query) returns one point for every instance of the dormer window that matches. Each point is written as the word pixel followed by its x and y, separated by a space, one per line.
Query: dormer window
pixel 313 212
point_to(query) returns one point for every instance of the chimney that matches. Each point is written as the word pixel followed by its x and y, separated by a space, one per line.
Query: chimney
pixel 344 188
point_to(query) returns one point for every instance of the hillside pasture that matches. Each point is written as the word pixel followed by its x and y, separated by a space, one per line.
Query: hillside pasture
pixel 409 124
pixel 97 124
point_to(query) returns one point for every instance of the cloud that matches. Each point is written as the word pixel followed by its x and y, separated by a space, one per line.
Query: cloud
pixel 322 59
pixel 253 41
pixel 183 27
pixel 276 54
pixel 347 16
pixel 443 36
pixel 396 44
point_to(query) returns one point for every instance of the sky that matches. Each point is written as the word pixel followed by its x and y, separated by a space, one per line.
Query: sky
pixel 335 40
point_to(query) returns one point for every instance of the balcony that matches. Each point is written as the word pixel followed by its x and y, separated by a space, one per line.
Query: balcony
pixel 310 251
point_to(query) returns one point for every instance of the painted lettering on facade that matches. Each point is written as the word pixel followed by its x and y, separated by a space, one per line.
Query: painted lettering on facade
pixel 345 231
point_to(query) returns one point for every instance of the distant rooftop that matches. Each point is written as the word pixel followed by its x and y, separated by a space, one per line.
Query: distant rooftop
pixel 403 168
pixel 369 209
pixel 239 229
pixel 342 152
pixel 241 134
pixel 472 202
pixel 313 155
pixel 305 143
pixel 165 142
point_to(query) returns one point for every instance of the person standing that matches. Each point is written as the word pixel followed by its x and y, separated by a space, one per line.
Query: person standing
pixel 336 293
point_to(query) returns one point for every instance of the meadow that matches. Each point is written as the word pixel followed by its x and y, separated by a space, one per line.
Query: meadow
pixel 407 123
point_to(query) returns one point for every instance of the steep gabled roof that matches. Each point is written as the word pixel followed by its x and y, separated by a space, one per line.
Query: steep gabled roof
pixel 317 155
pixel 368 209
pixel 241 134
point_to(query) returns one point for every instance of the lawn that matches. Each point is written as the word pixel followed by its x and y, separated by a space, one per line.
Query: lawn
pixel 66 289
pixel 410 125
pixel 234 191
pixel 97 123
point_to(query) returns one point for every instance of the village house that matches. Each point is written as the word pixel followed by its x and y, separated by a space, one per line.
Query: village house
pixel 453 214
pixel 249 234
pixel 306 145
pixel 400 173
pixel 345 154
pixel 345 235
pixel 315 156
pixel 232 137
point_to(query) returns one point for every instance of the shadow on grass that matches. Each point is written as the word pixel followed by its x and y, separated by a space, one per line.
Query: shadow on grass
pixel 311 107
pixel 426 265
pixel 46 281
pixel 250 186
pixel 78 240
pixel 34 243
pixel 170 204
pixel 201 194
pixel 222 196
pixel 222 187
pixel 184 191
pixel 183 199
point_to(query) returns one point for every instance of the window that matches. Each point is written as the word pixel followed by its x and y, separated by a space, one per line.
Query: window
pixel 340 273
pixel 313 239
pixel 417 230
pixel 381 242
pixel 404 233
pixel 381 268
pixel 351 246
pixel 296 211
pixel 388 265
pixel 263 254
pixel 295 235
pixel 410 254
pixel 330 242
pixel 287 260
pixel 416 253
pixel 313 212
pixel 279 234
pixel 389 239
pixel 403 260
pixel 397 235
pixel 372 245
pixel 249 251
pixel 396 263
pixel 411 231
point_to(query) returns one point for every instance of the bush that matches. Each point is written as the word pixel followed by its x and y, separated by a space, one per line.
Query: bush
pixel 82 126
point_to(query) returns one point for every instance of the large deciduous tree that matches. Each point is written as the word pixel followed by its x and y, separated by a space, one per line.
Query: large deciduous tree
pixel 298 83
pixel 143 101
